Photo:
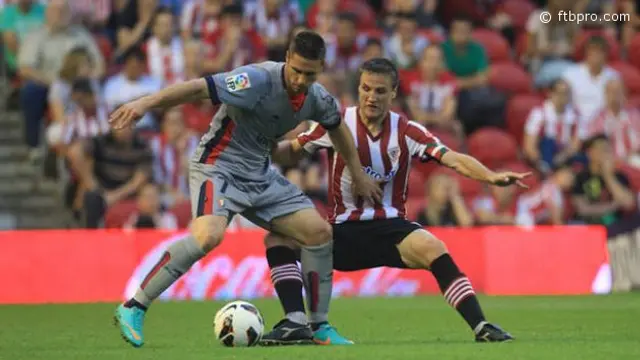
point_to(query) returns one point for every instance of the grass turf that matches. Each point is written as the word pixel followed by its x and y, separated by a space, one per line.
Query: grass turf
pixel 590 327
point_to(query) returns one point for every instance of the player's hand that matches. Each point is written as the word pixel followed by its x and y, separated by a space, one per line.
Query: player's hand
pixel 367 188
pixel 126 115
pixel 509 178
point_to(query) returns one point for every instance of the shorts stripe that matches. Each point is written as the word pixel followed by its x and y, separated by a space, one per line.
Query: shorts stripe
pixel 205 199
pixel 217 144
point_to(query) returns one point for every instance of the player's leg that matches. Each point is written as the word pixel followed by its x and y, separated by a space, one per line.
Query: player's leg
pixel 422 250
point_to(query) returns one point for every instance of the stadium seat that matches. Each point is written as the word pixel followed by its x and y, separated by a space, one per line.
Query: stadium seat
pixel 118 214
pixel 634 101
pixel 583 37
pixel 496 46
pixel 435 37
pixel 518 109
pixel 519 11
pixel 630 75
pixel 510 78
pixel 182 211
pixel 492 146
pixel 633 51
pixel 416 185
pixel 633 174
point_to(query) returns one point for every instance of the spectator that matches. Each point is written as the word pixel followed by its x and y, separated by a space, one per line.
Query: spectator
pixel 94 15
pixel 545 205
pixel 197 114
pixel 618 121
pixel 445 205
pixel 554 130
pixel 200 18
pixel 323 17
pixel 16 21
pixel 588 79
pixel 431 93
pixel 150 214
pixel 427 15
pixel 40 60
pixel 132 83
pixel 497 207
pixel 601 194
pixel 597 7
pixel 274 19
pixel 343 49
pixel 112 168
pixel 172 150
pixel 131 22
pixel 372 49
pixel 193 55
pixel 165 53
pixel 405 45
pixel 231 45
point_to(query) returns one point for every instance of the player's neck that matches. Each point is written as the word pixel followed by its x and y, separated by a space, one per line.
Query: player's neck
pixel 373 123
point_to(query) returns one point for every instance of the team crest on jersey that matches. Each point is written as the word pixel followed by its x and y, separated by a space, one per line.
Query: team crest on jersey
pixel 238 82
pixel 394 155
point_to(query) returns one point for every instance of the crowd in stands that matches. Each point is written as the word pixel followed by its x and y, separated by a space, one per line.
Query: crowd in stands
pixel 485 76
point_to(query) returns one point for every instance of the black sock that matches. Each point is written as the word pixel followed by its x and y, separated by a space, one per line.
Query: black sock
pixel 286 278
pixel 133 303
pixel 457 290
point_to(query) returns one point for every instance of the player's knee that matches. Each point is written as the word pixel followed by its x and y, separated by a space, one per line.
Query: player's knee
pixel 207 232
pixel 427 248
pixel 317 234
pixel 272 240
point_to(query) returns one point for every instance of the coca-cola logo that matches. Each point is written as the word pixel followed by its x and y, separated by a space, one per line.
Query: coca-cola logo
pixel 221 276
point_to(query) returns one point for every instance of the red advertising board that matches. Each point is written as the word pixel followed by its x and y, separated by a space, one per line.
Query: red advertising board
pixel 92 266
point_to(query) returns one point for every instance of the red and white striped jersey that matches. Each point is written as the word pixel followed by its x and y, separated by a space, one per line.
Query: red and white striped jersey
pixel 166 62
pixel 544 121
pixel 82 124
pixel 534 206
pixel 273 26
pixel 623 130
pixel 430 96
pixel 94 10
pixel 169 164
pixel 195 18
pixel 385 157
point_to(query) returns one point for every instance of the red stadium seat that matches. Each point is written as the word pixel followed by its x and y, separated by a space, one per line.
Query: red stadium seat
pixel 518 109
pixel 518 10
pixel 634 101
pixel 182 211
pixel 416 185
pixel 495 45
pixel 492 146
pixel 633 52
pixel 633 174
pixel 630 75
pixel 583 37
pixel 118 214
pixel 468 187
pixel 510 78
pixel 521 46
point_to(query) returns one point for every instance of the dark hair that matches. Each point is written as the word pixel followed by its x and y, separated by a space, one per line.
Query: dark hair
pixel 588 144
pixel 554 84
pixel 462 17
pixel 162 10
pixel 82 85
pixel 373 42
pixel 308 44
pixel 234 9
pixel 406 16
pixel 381 66
pixel 599 41
pixel 134 52
pixel 347 16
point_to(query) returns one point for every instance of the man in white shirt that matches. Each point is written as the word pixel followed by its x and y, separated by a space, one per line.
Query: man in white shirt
pixel 132 83
pixel 589 78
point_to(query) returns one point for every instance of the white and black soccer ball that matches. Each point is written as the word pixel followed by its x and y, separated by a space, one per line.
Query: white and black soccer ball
pixel 238 324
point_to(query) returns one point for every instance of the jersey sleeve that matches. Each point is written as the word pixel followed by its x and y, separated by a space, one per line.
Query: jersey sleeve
pixel 327 109
pixel 314 139
pixel 423 144
pixel 243 87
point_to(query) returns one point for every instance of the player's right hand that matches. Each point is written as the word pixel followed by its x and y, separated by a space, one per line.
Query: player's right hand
pixel 367 188
pixel 126 115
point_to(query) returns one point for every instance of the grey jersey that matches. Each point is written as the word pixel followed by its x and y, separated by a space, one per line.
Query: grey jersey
pixel 255 113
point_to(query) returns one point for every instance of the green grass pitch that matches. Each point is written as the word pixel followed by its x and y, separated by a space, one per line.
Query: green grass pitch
pixel 590 327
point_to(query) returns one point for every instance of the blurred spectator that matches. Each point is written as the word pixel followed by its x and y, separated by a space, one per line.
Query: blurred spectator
pixel 232 45
pixel 165 52
pixel 431 93
pixel 545 205
pixel 131 84
pixel 77 64
pixel 372 49
pixel 93 14
pixel 323 17
pixel 427 15
pixel 200 18
pixel 597 7
pixel 497 207
pixel 405 45
pixel 554 130
pixel 601 194
pixel 445 204
pixel 198 114
pixel 40 59
pixel 193 55
pixel 273 19
pixel 588 79
pixel 618 121
pixel 150 214
pixel 112 167
pixel 131 22
pixel 172 150
pixel 16 21
pixel 343 49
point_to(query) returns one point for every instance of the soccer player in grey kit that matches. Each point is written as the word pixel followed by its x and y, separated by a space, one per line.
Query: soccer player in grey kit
pixel 230 172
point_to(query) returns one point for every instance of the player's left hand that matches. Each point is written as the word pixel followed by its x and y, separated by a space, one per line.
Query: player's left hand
pixel 126 115
pixel 367 188
pixel 509 178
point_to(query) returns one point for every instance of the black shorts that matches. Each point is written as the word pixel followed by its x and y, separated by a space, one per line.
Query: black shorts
pixel 359 245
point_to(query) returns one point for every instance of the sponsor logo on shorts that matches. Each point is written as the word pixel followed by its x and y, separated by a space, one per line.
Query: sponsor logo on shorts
pixel 238 82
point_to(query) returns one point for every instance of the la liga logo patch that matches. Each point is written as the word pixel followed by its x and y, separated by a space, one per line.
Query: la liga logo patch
pixel 238 82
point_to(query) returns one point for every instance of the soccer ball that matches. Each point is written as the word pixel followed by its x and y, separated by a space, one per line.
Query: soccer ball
pixel 238 323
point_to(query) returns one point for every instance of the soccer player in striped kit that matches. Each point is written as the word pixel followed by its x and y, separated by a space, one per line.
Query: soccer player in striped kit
pixel 370 234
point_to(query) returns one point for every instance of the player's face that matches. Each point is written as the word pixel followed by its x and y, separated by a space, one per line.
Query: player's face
pixel 300 73
pixel 375 94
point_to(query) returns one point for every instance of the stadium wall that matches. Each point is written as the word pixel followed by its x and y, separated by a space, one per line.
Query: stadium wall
pixel 62 266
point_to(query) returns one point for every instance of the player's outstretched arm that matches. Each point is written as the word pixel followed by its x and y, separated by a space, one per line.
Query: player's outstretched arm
pixel 471 167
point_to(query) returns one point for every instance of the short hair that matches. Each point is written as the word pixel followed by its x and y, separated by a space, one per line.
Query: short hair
pixel 373 42
pixel 381 66
pixel 598 41
pixel 231 10
pixel 461 17
pixel 347 16
pixel 554 84
pixel 134 52
pixel 82 85
pixel 588 144
pixel 162 10
pixel 308 44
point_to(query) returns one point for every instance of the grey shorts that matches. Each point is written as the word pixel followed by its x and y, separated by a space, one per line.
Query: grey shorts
pixel 214 192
